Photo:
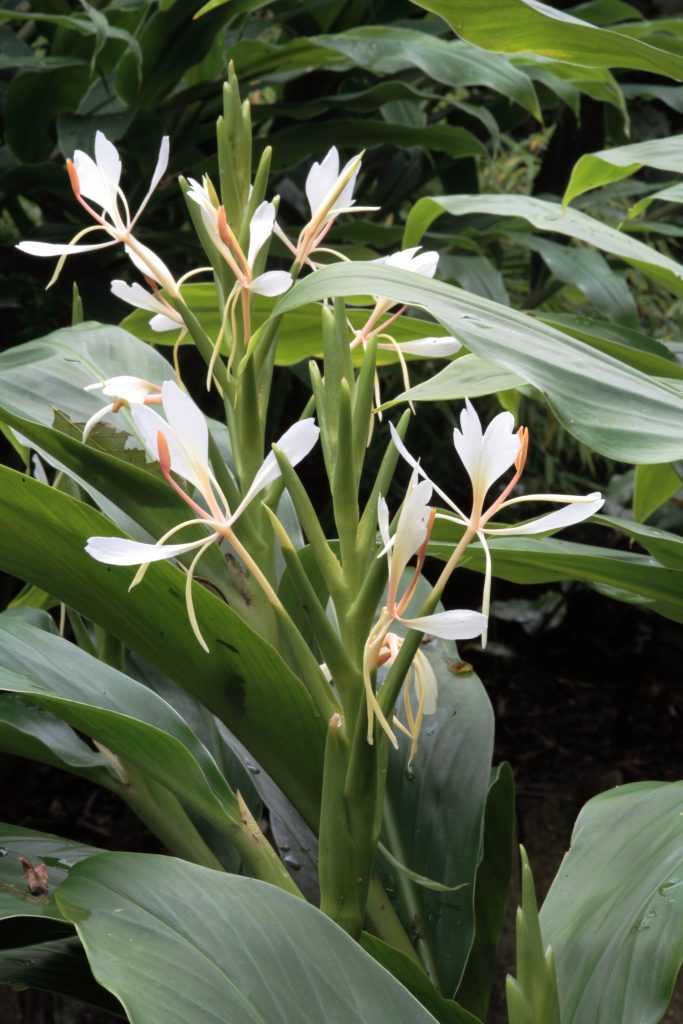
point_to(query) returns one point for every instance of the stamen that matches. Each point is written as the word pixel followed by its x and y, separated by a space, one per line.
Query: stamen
pixel 73 179
pixel 227 236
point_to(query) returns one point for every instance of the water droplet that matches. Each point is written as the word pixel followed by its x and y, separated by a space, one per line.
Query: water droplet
pixel 666 887
pixel 410 773
pixel 3 851
pixel 253 768
pixel 292 863
pixel 284 847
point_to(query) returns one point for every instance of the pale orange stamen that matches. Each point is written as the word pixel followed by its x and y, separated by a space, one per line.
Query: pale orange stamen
pixel 164 457
pixel 228 237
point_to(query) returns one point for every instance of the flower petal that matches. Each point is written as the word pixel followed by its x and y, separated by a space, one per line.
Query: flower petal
pixel 159 170
pixel 321 178
pixel 149 425
pixel 55 249
pixel 273 282
pixel 136 295
pixel 459 624
pixel 95 419
pixel 295 443
pixel 119 551
pixel 383 525
pixel 108 161
pixel 575 511
pixel 485 456
pixel 125 387
pixel 412 461
pixel 345 198
pixel 430 348
pixel 187 421
pixel 425 676
pixel 151 265
pixel 260 230
pixel 412 525
pixel 93 184
pixel 161 322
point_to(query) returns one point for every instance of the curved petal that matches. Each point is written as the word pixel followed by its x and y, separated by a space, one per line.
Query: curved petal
pixel 383 525
pixel 151 265
pixel 425 263
pixel 402 259
pixel 125 387
pixel 459 624
pixel 149 425
pixel 187 421
pixel 426 678
pixel 94 185
pixel 135 295
pixel 412 523
pixel 295 443
pixel 273 282
pixel 159 171
pixel 345 197
pixel 575 511
pixel 161 322
pixel 320 179
pixel 108 161
pixel 430 348
pixel 485 455
pixel 120 551
pixel 412 461
pixel 55 249
pixel 95 419
pixel 260 230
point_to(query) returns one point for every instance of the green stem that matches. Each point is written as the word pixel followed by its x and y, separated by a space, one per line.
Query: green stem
pixel 385 922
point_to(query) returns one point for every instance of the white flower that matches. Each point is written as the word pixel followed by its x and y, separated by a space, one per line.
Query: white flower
pixel 420 680
pixel 425 348
pixel 486 455
pixel 181 444
pixel 409 539
pixel 328 191
pixel 125 390
pixel 166 318
pixel 98 182
pixel 261 225
pixel 424 263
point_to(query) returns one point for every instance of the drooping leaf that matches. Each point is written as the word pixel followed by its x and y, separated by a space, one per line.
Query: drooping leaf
pixel 511 26
pixel 653 485
pixel 241 951
pixel 593 170
pixel 59 965
pixel 617 934
pixel 596 397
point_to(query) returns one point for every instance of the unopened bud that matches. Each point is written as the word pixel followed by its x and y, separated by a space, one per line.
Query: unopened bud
pixel 520 461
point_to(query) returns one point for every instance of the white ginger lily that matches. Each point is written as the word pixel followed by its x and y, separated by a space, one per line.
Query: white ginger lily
pixel 165 318
pixel 98 181
pixel 486 455
pixel 329 192
pixel 409 540
pixel 421 680
pixel 125 391
pixel 180 442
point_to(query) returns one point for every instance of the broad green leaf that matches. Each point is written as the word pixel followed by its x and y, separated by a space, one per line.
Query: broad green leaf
pixel 59 966
pixel 389 50
pixel 438 807
pixel 605 12
pixel 593 170
pixel 416 981
pixel 624 343
pixel 40 376
pixel 512 26
pixel 545 560
pixel 475 274
pixel 125 716
pixel 588 271
pixel 244 681
pixel 491 892
pixel 553 217
pixel 242 952
pixel 614 914
pixel 466 377
pixel 570 81
pixel 653 485
pixel 596 397
pixel 57 854
pixel 299 334
pixel 666 547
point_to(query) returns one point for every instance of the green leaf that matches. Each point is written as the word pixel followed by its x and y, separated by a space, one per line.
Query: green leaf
pixel 438 807
pixel 244 681
pixel 653 485
pixel 532 560
pixel 588 271
pixel 277 956
pixel 390 50
pixel 666 547
pixel 491 892
pixel 514 26
pixel 56 966
pixel 416 981
pixel 596 397
pixel 57 854
pixel 465 377
pixel 109 706
pixel 553 217
pixel 421 880
pixel 532 996
pixel 593 170
pixel 614 914
pixel 605 12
